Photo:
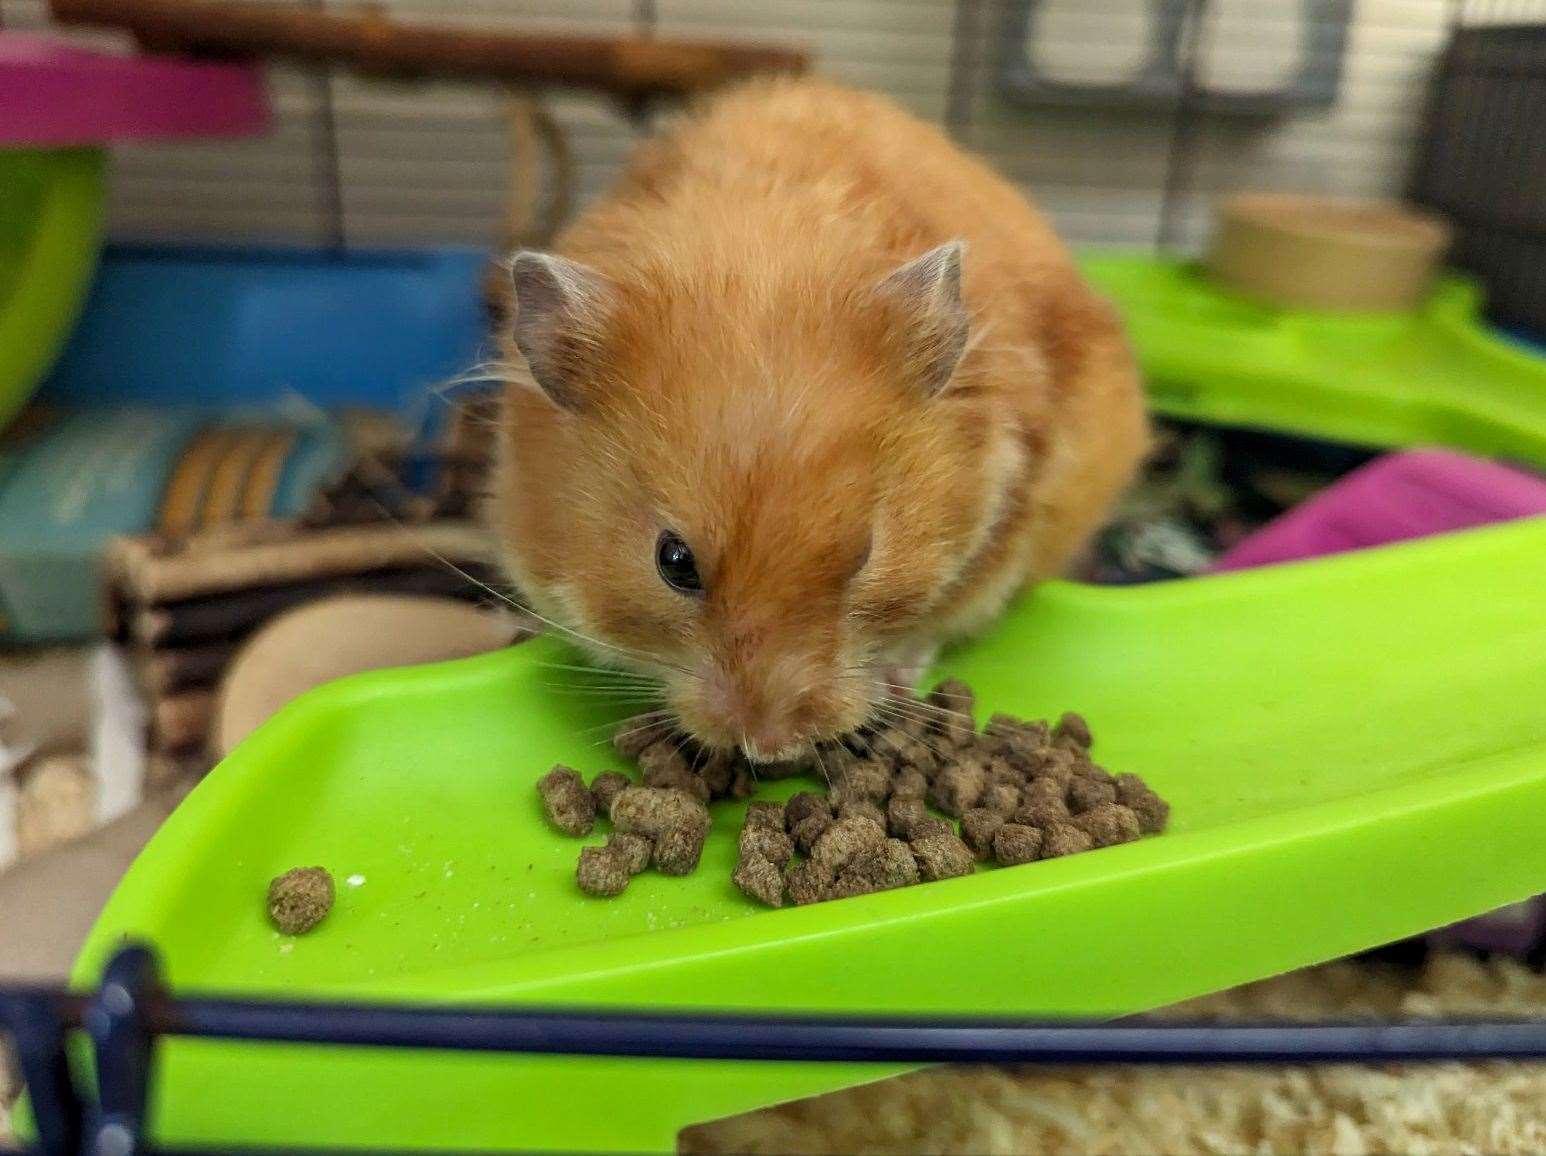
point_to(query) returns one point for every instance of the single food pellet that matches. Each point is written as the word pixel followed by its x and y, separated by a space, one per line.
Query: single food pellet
pixel 1084 769
pixel 942 856
pixel 567 801
pixel 664 756
pixel 904 815
pixel 910 784
pixel 803 805
pixel 669 774
pixel 1014 843
pixel 862 809
pixel 808 881
pixel 956 788
pixel 717 769
pixel 760 880
pixel 1109 824
pixel 1086 794
pixel 765 815
pixel 651 811
pixel 1041 813
pixel 1072 731
pixel 635 734
pixel 876 868
pixel 930 826
pixel 605 787
pixel 869 779
pixel 1001 797
pixel 300 898
pixel 843 840
pixel 744 785
pixel 767 843
pixel 1152 811
pixel 633 850
pixel 978 826
pixel 1061 839
pixel 678 849
pixel 808 830
pixel 602 871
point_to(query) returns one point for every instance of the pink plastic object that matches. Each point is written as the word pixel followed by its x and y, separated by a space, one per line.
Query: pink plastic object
pixel 1393 498
pixel 54 95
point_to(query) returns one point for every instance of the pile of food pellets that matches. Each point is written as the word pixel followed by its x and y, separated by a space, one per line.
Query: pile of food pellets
pixel 924 798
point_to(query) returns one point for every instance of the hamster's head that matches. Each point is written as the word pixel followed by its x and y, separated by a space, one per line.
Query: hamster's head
pixel 756 489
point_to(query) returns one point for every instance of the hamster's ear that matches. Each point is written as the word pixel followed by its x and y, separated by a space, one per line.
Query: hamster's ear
pixel 558 309
pixel 925 295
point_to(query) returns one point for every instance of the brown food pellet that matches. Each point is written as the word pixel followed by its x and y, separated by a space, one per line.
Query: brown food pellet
pixel 954 695
pixel 670 774
pixel 978 826
pixel 942 856
pixel 765 815
pixel 808 881
pixel 1085 769
pixel 650 811
pixel 1055 764
pixel 1061 839
pixel 760 880
pixel 903 815
pixel 1152 811
pixel 869 779
pixel 299 899
pixel 633 850
pixel 767 843
pixel 845 838
pixel 1001 797
pixel 677 849
pixel 567 801
pixel 808 830
pixel 1015 843
pixel 876 868
pixel 1109 824
pixel 910 784
pixel 957 788
pixel 1042 813
pixel 607 786
pixel 1087 794
pixel 862 809
pixel 717 770
pixel 663 755
pixel 634 735
pixel 602 871
pixel 1012 734
pixel 744 785
pixel 932 825
pixel 803 805
pixel 1072 730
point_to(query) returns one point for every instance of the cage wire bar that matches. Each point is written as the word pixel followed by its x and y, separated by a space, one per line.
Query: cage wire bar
pixel 131 1012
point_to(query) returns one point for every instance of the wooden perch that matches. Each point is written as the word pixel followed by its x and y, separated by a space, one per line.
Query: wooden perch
pixel 630 67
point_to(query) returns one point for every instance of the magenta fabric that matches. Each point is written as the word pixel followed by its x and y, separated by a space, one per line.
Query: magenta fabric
pixel 55 95
pixel 1393 498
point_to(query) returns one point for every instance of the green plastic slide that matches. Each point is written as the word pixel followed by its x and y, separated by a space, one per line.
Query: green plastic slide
pixel 50 233
pixel 1355 749
pixel 1439 376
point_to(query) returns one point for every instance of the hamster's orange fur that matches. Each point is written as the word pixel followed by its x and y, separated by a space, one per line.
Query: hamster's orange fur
pixel 743 385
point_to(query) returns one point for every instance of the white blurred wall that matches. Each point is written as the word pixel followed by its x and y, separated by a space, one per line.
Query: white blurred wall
pixel 426 163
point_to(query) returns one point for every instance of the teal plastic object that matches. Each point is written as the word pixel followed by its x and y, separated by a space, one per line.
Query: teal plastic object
pixel 1355 750
pixel 1440 376
pixel 50 232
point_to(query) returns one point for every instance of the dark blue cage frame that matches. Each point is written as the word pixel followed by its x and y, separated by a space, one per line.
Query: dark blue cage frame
pixel 131 1010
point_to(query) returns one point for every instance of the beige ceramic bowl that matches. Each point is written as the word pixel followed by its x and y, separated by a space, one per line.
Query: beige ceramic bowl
pixel 1324 253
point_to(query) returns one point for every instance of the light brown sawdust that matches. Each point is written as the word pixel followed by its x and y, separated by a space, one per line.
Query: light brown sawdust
pixel 1449 1109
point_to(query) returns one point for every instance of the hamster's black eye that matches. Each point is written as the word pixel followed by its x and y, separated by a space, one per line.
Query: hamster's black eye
pixel 676 564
